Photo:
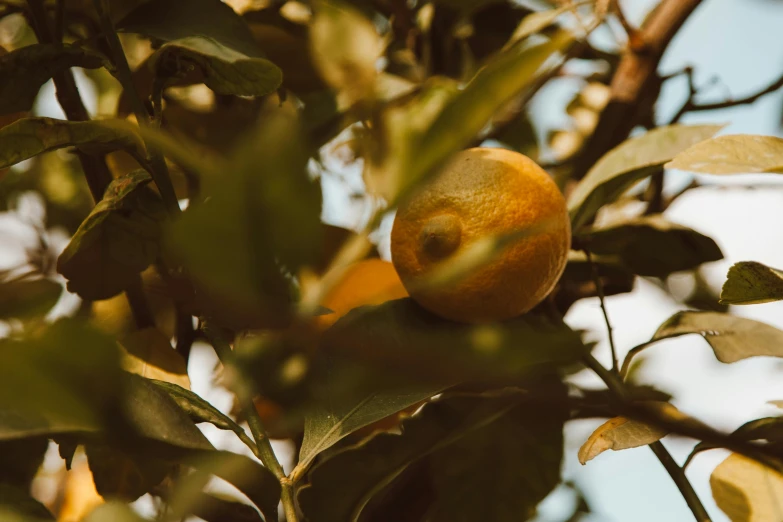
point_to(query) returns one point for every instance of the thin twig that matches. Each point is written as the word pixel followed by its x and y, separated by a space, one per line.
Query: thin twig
pixel 691 106
pixel 265 451
pixel 160 172
pixel 678 476
pixel 599 287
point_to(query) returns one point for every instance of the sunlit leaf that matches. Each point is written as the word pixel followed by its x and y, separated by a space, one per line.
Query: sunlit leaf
pixel 750 282
pixel 419 143
pixel 732 338
pixel 403 336
pixel 28 297
pixel 122 475
pixel 29 137
pixel 629 162
pixel 536 22
pixel 483 428
pixel 197 408
pixel 25 70
pixel 617 434
pixel 115 511
pixel 148 353
pixel 652 245
pixel 738 154
pixel 224 70
pixel 746 490
pixel 18 501
pixel 118 240
pixel 331 420
pixel 345 47
pixel 170 20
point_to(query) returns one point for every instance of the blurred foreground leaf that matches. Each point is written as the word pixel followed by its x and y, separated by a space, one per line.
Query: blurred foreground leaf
pixel 114 511
pixel 21 460
pixel 750 282
pixel 25 298
pixel 29 137
pixel 18 501
pixel 117 241
pixel 629 162
pixel 25 70
pixel 746 490
pixel 121 475
pixel 732 338
pixel 732 155
pixel 513 440
pixel 652 245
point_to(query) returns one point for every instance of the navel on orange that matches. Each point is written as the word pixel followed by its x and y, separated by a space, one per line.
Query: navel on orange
pixel 483 192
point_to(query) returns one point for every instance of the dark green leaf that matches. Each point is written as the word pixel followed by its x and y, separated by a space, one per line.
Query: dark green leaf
pixel 29 137
pixel 118 240
pixel 246 474
pixel 400 335
pixel 18 501
pixel 25 298
pixel 213 509
pixel 629 162
pixel 66 447
pixel 121 475
pixel 263 213
pixel 197 408
pixel 63 392
pixel 751 283
pixel 769 428
pixel 486 429
pixel 420 143
pixel 25 70
pixel 21 460
pixel 732 155
pixel 731 338
pixel 170 20
pixel 224 70
pixel 652 246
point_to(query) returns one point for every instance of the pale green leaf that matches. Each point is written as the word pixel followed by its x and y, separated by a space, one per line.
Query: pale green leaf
pixel 738 154
pixel 25 70
pixel 117 241
pixel 732 338
pixel 629 162
pixel 28 137
pixel 115 511
pixel 537 22
pixel 750 282
pixel 746 490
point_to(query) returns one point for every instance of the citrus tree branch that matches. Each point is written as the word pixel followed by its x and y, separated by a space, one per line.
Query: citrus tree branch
pixel 95 170
pixel 599 288
pixel 265 452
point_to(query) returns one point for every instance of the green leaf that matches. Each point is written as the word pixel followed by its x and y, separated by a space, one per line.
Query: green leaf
pixel 21 460
pixel 63 393
pixel 498 431
pixel 25 70
pixel 262 213
pixel 121 475
pixel 652 245
pixel 428 349
pixel 746 490
pixel 244 473
pixel 417 148
pixel 214 509
pixel 750 282
pixel 731 338
pixel 114 511
pixel 25 298
pixel 18 501
pixel 148 353
pixel 615 276
pixel 629 162
pixel 224 70
pixel 171 20
pixel 28 137
pixel 118 240
pixel 197 408
pixel 738 154
pixel 329 421
pixel 537 22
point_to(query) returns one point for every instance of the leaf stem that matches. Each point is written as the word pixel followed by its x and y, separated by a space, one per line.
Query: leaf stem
pixel 678 476
pixel 599 287
pixel 160 172
pixel 265 451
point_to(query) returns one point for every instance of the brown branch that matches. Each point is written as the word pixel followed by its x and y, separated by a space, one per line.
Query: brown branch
pixel 635 85
pixel 691 106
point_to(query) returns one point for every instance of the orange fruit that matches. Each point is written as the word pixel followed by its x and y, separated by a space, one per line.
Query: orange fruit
pixel 368 282
pixel 482 193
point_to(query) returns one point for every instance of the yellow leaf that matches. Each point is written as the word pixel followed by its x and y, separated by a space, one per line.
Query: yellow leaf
pixel 149 353
pixel 747 491
pixel 617 434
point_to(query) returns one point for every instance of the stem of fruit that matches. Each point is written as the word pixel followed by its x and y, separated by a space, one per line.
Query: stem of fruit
pixel 614 382
pixel 599 287
pixel 159 172
pixel 264 448
pixel 95 170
